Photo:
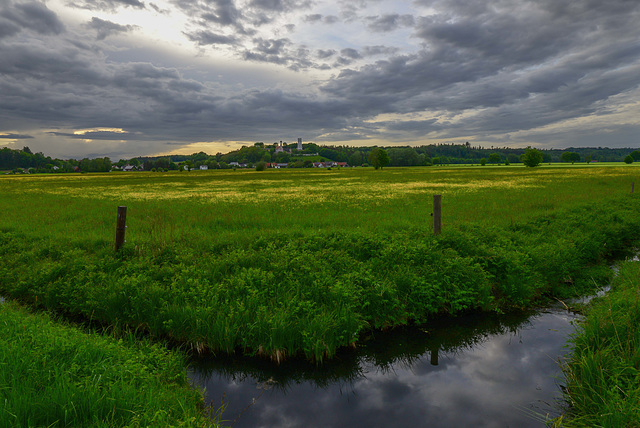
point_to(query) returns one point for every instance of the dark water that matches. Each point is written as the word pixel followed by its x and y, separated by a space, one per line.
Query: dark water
pixel 474 371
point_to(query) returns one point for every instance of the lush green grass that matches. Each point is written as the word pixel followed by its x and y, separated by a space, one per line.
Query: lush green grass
pixel 603 374
pixel 282 262
pixel 53 375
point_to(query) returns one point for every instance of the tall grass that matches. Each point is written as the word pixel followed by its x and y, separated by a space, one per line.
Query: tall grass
pixel 53 375
pixel 287 262
pixel 603 375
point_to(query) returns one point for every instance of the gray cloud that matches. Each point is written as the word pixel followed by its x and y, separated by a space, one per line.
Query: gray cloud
pixel 16 136
pixel 325 53
pixel 105 5
pixel 8 28
pixel 379 50
pixel 209 38
pixel 32 15
pixel 350 53
pixel 105 29
pixel 280 5
pixel 390 22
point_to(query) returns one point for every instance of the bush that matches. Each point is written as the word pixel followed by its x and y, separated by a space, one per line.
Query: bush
pixel 261 166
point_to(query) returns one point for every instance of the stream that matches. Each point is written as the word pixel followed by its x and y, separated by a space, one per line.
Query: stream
pixel 476 370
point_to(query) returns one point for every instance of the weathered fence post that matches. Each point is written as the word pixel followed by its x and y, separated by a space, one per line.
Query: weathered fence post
pixel 632 184
pixel 121 226
pixel 437 214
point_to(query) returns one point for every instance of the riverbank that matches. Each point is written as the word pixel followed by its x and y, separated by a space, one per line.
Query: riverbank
pixel 54 375
pixel 312 294
pixel 603 372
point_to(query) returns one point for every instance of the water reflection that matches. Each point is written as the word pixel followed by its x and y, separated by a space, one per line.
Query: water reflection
pixel 473 371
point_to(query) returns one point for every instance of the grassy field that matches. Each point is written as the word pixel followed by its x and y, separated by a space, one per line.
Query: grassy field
pixel 53 375
pixel 289 262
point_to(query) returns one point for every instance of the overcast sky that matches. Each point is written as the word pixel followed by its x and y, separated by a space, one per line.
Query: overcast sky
pixel 121 78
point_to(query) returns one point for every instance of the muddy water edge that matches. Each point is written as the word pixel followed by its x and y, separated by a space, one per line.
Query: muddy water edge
pixel 476 370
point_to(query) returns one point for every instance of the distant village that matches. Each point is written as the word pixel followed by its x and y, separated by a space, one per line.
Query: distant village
pixel 281 154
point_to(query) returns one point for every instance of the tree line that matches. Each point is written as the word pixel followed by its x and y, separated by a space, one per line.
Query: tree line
pixel 426 155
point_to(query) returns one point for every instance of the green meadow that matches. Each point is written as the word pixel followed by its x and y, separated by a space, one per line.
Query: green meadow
pixel 54 375
pixel 287 263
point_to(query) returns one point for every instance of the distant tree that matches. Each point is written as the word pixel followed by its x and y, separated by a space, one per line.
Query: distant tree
pixel 587 158
pixel 635 155
pixel 261 166
pixel 356 158
pixel 531 157
pixel 628 159
pixel 403 156
pixel 495 158
pixel 513 158
pixel 483 161
pixel 570 157
pixel 379 158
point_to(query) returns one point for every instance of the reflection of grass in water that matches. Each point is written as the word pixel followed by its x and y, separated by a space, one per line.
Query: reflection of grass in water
pixel 402 346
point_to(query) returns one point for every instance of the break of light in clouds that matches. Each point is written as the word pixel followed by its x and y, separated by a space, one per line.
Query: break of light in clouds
pixel 122 78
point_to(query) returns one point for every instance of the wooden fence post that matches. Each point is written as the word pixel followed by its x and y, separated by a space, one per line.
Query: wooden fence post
pixel 632 184
pixel 121 226
pixel 437 214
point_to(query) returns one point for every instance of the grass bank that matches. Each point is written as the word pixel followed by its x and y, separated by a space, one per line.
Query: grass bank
pixel 53 375
pixel 603 374
pixel 302 262
pixel 292 293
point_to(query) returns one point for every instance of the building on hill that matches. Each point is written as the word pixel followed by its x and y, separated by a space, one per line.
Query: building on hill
pixel 329 164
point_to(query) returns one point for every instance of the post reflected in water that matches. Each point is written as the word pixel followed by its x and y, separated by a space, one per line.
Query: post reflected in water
pixel 434 355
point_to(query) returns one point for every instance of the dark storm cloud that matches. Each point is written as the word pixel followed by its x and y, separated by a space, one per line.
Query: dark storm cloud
pixel 386 23
pixel 105 29
pixel 8 28
pixel 32 15
pixel 350 53
pixel 316 17
pixel 210 38
pixel 378 50
pixel 325 53
pixel 96 135
pixel 527 64
pixel 55 84
pixel 279 5
pixel 16 136
pixel 105 5
pixel 279 51
pixel 328 19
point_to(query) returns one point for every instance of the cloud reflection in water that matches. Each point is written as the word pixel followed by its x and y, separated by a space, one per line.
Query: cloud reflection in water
pixel 490 372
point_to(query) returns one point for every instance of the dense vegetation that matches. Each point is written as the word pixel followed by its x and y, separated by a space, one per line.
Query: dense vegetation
pixel 434 154
pixel 602 373
pixel 53 375
pixel 285 262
